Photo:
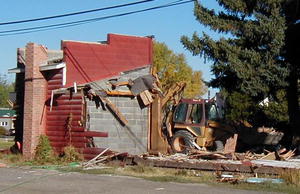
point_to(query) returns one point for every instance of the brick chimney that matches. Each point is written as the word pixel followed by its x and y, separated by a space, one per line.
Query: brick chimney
pixel 34 98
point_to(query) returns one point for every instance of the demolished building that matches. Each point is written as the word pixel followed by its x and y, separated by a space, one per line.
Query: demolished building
pixel 51 95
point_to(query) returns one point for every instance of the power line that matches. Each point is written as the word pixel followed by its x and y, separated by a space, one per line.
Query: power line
pixel 74 13
pixel 81 22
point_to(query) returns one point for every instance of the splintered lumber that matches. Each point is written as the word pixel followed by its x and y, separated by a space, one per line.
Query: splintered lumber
pixel 124 83
pixel 230 144
pixel 287 155
pixel 157 143
pixel 146 97
pixel 119 93
pixel 94 159
pixel 269 156
pixel 115 110
pixel 260 167
pixel 175 89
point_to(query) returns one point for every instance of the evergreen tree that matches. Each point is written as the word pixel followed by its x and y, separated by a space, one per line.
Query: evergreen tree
pixel 254 60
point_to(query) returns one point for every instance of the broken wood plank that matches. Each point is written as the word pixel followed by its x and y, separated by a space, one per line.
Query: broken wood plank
pixel 157 141
pixel 94 159
pixel 124 83
pixel 269 156
pixel 119 93
pixel 230 144
pixel 115 110
pixel 95 134
pixel 146 97
pixel 209 165
pixel 175 89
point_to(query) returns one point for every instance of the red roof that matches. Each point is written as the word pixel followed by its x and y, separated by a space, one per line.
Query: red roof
pixel 87 62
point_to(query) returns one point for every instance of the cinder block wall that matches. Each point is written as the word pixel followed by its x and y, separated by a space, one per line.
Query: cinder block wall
pixel 132 138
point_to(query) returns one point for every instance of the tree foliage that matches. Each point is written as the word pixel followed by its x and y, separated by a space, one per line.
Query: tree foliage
pixel 254 62
pixel 172 68
pixel 5 88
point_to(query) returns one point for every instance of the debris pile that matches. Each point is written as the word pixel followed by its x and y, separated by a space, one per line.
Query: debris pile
pixel 203 160
pixel 104 157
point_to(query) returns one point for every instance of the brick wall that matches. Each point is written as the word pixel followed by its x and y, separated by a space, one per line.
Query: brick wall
pixel 131 139
pixel 34 98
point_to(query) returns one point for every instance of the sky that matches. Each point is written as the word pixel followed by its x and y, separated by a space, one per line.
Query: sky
pixel 166 24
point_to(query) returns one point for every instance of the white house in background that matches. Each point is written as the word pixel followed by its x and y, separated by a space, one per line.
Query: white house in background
pixel 7 116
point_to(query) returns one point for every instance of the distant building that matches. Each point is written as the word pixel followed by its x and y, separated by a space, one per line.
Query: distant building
pixel 7 116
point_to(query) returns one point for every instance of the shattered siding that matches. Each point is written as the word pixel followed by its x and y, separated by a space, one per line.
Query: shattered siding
pixel 131 138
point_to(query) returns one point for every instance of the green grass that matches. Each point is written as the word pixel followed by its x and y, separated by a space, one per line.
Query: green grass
pixel 186 176
pixel 5 144
pixel 166 174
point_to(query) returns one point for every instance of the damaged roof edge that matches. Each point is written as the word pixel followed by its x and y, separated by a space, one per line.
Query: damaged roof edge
pixel 52 67
pixel 115 76
pixel 106 42
pixel 16 70
pixel 137 69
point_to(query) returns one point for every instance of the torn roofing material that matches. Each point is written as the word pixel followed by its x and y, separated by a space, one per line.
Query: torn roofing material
pixel 88 62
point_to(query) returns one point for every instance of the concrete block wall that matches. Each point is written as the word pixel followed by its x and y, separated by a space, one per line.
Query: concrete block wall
pixel 132 138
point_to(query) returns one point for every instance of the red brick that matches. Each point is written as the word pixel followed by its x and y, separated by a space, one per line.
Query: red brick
pixel 34 98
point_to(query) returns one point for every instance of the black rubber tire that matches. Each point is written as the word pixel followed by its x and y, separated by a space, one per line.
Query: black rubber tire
pixel 219 146
pixel 186 140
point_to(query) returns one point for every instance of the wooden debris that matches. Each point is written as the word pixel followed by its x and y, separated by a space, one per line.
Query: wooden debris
pixel 95 158
pixel 115 110
pixel 228 178
pixel 287 155
pixel 207 155
pixel 172 92
pixel 157 141
pixel 124 83
pixel 146 97
pixel 119 93
pixel 103 157
pixel 269 156
pixel 230 144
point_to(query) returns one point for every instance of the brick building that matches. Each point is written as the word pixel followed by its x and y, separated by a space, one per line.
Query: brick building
pixel 51 99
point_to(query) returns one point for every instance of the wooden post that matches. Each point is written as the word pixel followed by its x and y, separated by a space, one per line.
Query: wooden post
pixel 157 142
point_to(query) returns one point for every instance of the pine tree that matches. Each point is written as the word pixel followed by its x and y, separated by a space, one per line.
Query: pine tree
pixel 253 61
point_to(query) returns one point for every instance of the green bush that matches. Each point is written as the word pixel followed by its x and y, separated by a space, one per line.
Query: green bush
pixel 44 152
pixel 71 154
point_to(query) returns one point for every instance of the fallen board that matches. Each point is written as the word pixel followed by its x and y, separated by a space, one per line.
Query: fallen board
pixel 261 167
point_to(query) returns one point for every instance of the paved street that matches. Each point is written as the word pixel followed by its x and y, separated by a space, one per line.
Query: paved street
pixel 14 180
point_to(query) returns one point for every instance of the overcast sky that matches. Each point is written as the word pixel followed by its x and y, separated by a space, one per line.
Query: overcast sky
pixel 166 24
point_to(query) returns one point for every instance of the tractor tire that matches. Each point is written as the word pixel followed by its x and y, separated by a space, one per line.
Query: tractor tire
pixel 182 141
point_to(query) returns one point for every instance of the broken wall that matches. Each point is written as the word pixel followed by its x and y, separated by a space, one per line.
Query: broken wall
pixel 132 138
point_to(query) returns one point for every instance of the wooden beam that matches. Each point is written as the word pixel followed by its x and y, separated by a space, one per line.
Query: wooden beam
pixel 230 144
pixel 115 110
pixel 175 89
pixel 119 93
pixel 157 142
pixel 125 83
pixel 209 165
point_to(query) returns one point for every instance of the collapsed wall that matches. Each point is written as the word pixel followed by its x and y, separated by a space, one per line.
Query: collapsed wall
pixel 131 138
